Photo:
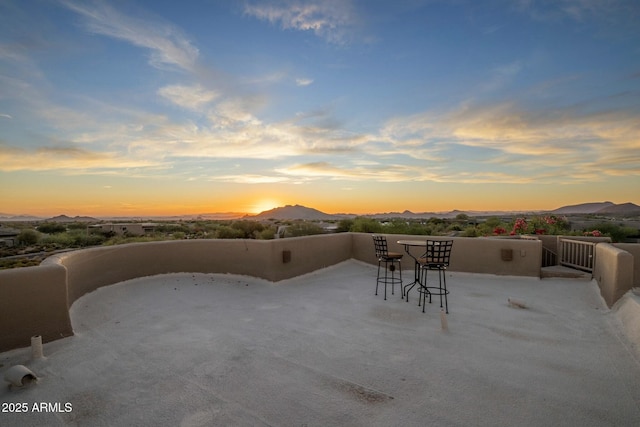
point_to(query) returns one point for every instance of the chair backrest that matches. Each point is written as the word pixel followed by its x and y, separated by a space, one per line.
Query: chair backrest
pixel 380 243
pixel 438 252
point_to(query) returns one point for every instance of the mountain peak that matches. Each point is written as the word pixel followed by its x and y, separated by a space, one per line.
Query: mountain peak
pixel 294 212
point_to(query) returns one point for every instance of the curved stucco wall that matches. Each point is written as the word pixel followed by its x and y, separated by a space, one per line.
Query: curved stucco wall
pixel 92 268
pixel 613 270
pixel 634 250
pixel 35 300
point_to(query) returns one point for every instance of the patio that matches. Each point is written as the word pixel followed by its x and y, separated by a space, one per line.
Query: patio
pixel 194 349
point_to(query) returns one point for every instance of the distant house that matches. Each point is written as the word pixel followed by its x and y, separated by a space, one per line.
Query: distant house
pixel 8 236
pixel 120 229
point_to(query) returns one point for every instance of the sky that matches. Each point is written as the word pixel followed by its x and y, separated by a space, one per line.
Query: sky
pixel 347 106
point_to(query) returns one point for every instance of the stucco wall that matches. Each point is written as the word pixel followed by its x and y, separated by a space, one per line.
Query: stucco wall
pixel 613 270
pixel 33 301
pixel 92 268
pixel 307 254
pixel 634 250
pixel 469 254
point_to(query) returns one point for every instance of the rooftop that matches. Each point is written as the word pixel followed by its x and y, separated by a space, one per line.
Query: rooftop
pixel 195 349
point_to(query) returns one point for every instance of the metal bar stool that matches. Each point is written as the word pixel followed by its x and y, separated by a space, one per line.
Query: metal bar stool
pixel 390 260
pixel 435 258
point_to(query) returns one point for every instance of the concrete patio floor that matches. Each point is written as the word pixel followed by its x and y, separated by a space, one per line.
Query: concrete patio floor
pixel 323 350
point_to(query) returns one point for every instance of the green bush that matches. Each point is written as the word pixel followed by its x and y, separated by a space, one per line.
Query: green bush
pixel 344 225
pixel 267 234
pixel 249 229
pixel 470 231
pixel 617 232
pixel 302 228
pixel 366 225
pixel 52 228
pixel 27 237
pixel 226 232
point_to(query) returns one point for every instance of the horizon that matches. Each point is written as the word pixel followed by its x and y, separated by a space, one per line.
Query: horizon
pixel 146 108
pixel 231 214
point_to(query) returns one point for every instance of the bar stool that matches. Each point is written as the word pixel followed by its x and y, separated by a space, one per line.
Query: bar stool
pixel 390 260
pixel 435 258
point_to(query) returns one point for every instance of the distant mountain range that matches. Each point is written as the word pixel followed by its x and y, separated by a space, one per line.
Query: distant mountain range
pixel 64 218
pixel 305 213
pixel 602 208
pixel 289 212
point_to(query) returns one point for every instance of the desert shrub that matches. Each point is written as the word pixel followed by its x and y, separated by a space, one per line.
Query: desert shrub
pixel 226 232
pixel 267 234
pixel 76 226
pixel 249 229
pixel 17 263
pixel 303 229
pixel 61 240
pixel 27 237
pixel 470 231
pixel 366 225
pixel 344 225
pixel 172 228
pixel 454 227
pixel 52 228
pixel 616 232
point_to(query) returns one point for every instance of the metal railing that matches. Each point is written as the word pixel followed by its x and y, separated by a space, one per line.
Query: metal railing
pixel 577 254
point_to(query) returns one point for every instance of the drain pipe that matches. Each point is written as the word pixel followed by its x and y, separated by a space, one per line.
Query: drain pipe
pixel 19 375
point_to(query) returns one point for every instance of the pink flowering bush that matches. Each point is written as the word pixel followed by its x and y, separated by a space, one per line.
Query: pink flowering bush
pixel 548 224
pixel 520 226
pixel 593 233
pixel 499 231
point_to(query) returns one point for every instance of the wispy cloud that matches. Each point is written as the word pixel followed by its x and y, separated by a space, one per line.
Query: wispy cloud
pixel 249 179
pixel 189 97
pixel 332 20
pixel 303 82
pixel 167 44
pixel 6 116
pixel 561 143
pixel 65 158
pixel 371 172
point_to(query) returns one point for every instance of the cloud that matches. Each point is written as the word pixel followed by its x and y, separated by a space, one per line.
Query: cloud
pixel 372 172
pixel 189 97
pixel 64 158
pixel 167 44
pixel 332 20
pixel 249 179
pixel 303 82
pixel 555 144
pixel 6 116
